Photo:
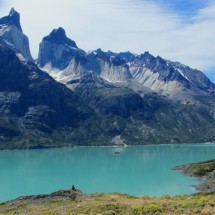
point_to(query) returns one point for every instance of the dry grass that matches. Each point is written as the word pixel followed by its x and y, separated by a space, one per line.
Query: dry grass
pixel 114 203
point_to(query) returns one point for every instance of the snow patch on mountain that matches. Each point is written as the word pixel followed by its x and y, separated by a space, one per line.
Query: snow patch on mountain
pixel 181 72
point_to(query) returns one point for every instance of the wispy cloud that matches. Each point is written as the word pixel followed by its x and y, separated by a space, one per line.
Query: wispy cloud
pixel 160 27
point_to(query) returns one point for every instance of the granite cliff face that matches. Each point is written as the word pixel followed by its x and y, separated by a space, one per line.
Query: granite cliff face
pixel 64 61
pixel 56 50
pixel 104 98
pixel 11 33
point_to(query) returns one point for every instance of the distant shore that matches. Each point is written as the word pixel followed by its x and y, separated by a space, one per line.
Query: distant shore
pixel 68 145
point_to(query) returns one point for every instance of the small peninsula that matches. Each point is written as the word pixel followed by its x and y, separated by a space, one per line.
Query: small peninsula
pixel 203 170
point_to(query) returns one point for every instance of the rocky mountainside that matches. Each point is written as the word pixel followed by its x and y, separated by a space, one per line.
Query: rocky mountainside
pixel 35 109
pixel 104 98
pixel 172 79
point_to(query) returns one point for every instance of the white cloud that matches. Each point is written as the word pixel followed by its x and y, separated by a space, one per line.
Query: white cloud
pixel 122 25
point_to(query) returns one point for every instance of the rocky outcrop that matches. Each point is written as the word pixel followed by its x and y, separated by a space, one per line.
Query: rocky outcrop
pixel 72 194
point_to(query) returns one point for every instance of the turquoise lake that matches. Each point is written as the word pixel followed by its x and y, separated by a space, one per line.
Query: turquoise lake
pixel 138 170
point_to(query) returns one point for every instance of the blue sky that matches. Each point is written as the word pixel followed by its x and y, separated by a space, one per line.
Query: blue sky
pixel 184 7
pixel 178 30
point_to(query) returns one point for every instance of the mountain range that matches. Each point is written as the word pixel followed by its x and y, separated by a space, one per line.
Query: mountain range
pixel 68 96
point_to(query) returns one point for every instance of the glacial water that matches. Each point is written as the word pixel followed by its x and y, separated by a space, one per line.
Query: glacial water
pixel 139 170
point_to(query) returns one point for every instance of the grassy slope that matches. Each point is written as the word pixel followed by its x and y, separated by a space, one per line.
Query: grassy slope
pixel 113 204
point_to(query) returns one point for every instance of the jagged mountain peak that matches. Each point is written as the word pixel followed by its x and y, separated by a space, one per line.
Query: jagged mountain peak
pixel 14 13
pixel 149 57
pixel 12 19
pixel 128 56
pixel 108 56
pixel 99 53
pixel 157 63
pixel 146 55
pixel 96 52
pixel 59 36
